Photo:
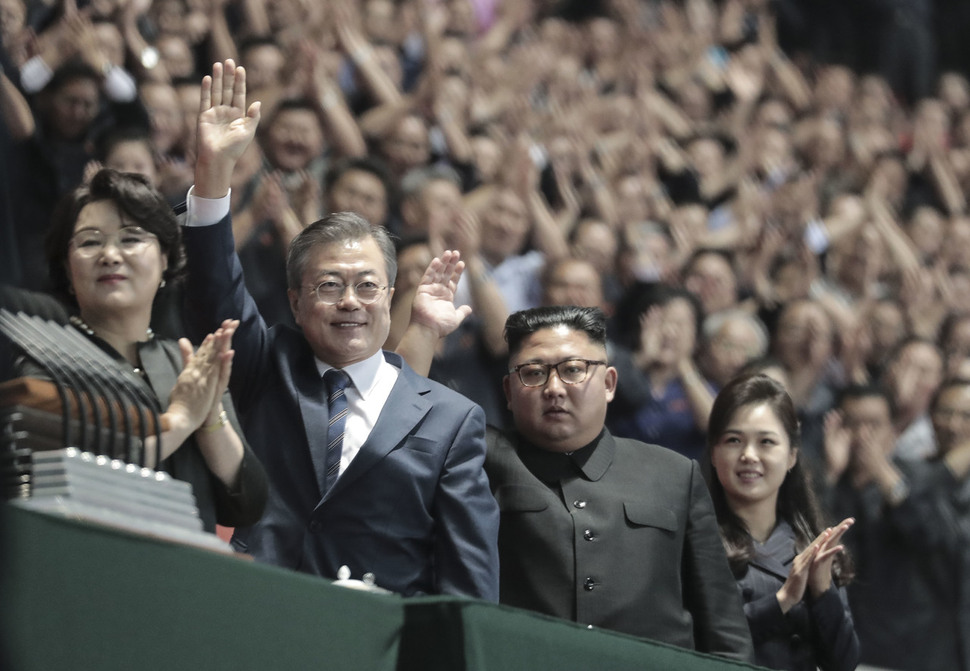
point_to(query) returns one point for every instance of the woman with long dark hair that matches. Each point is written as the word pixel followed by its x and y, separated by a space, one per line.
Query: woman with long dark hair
pixel 790 568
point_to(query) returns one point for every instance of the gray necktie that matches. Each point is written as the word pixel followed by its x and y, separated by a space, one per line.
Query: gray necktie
pixel 337 381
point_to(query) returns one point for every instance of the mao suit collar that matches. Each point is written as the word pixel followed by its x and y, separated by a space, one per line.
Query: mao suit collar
pixel 591 461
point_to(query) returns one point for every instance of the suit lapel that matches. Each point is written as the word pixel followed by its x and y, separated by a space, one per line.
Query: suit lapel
pixel 778 552
pixel 312 393
pixel 405 407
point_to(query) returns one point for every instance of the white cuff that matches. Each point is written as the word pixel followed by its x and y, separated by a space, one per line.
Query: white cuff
pixel 205 211
pixel 816 236
pixel 119 85
pixel 35 74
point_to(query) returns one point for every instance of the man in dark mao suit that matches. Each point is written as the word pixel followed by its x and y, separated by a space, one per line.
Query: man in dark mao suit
pixel 604 531
pixel 403 495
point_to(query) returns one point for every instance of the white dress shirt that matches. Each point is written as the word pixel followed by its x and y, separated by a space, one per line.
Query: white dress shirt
pixel 372 380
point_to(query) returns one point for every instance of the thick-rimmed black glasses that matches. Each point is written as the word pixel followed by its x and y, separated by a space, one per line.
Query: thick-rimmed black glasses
pixel 329 292
pixel 570 371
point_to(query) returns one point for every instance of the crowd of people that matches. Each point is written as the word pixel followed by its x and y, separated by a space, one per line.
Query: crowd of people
pixel 732 199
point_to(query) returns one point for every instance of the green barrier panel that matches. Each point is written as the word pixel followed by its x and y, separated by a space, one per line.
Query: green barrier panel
pixel 448 634
pixel 77 596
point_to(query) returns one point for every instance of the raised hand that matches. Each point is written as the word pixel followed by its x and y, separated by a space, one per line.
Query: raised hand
pixel 225 129
pixel 745 78
pixel 820 572
pixel 91 168
pixel 837 445
pixel 872 457
pixel 812 567
pixel 196 398
pixel 223 344
pixel 269 201
pixel 651 335
pixel 306 198
pixel 346 24
pixel 198 390
pixel 433 306
pixel 174 175
pixel 793 591
pixel 463 233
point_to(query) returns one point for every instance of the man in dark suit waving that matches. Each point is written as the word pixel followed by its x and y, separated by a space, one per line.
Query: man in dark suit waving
pixel 605 531
pixel 381 471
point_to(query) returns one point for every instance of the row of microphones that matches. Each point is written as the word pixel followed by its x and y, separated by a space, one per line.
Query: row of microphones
pixel 104 407
pixel 73 434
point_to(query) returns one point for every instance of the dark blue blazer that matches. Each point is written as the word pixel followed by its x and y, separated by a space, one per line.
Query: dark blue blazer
pixel 414 506
pixel 815 633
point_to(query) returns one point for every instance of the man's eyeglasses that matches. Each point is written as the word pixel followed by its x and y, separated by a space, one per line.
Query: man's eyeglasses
pixel 330 292
pixel 90 242
pixel 570 371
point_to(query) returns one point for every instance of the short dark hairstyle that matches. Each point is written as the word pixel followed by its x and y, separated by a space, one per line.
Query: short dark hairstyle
pixel 726 142
pixel 552 265
pixel 522 324
pixel 638 300
pixel 710 251
pixel 416 179
pixel 137 199
pixel 256 41
pixel 72 71
pixel 112 138
pixel 367 164
pixel 949 326
pixel 411 240
pixel 293 104
pixel 185 80
pixel 796 504
pixel 855 392
pixel 337 227
pixel 897 350
pixel 947 385
pixel 759 365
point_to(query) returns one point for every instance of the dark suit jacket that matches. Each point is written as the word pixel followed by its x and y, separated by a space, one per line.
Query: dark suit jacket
pixel 911 594
pixel 619 535
pixel 934 523
pixel 413 507
pixel 813 634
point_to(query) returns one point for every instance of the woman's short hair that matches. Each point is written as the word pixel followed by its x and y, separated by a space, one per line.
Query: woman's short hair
pixel 140 205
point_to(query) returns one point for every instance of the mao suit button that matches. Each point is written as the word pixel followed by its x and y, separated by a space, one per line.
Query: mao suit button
pixel 579 504
pixel 795 640
pixel 314 525
pixel 588 535
pixel 589 584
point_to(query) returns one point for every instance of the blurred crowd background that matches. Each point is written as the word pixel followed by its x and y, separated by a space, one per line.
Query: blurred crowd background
pixel 738 184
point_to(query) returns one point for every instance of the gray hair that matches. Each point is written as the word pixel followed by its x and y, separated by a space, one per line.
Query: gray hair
pixel 414 182
pixel 333 228
pixel 715 322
